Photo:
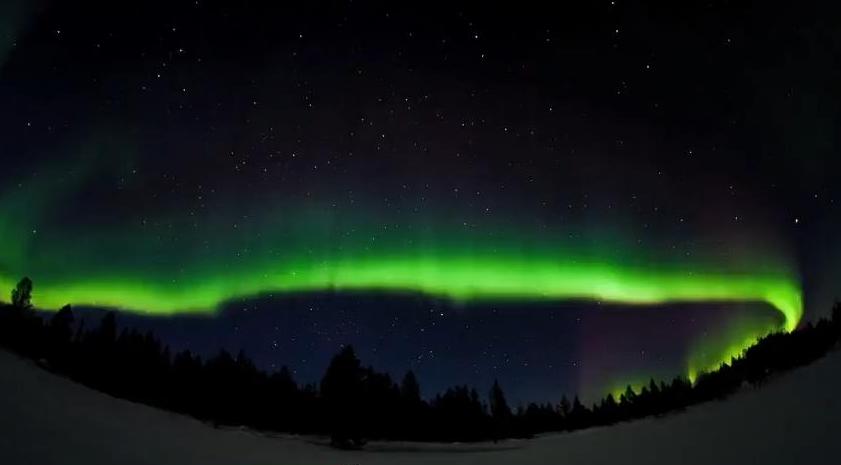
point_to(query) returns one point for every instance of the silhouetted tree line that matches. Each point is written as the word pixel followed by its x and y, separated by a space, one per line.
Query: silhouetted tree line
pixel 354 403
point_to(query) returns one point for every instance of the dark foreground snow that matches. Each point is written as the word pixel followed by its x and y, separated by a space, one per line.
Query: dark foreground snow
pixel 45 419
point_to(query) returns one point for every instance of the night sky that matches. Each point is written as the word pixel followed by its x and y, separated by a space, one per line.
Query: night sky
pixel 566 198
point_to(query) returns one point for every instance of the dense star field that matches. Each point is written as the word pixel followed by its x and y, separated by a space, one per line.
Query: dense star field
pixel 566 198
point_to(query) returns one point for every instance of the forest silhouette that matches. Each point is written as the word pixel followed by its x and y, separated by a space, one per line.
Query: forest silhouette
pixel 354 403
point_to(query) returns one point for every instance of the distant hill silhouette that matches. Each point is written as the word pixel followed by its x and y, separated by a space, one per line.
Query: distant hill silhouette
pixel 354 403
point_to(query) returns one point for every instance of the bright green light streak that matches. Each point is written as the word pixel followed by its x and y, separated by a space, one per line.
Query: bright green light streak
pixel 460 279
pixel 710 354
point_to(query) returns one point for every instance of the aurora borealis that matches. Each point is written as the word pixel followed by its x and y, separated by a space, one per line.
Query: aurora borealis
pixel 459 279
pixel 472 269
pixel 575 198
pixel 468 268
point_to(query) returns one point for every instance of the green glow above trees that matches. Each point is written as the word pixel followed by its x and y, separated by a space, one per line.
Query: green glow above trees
pixel 461 279
pixel 183 264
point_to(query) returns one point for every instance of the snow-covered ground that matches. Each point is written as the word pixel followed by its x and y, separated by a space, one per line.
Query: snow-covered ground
pixel 45 419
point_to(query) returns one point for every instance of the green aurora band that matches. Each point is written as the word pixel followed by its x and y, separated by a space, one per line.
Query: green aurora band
pixel 125 265
pixel 460 279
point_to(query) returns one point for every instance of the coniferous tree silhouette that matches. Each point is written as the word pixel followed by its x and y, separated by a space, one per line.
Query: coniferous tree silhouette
pixel 412 406
pixel 608 410
pixel 564 407
pixel 22 294
pixel 341 389
pixel 500 412
pixel 579 415
pixel 628 402
pixel 410 389
pixel 60 336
